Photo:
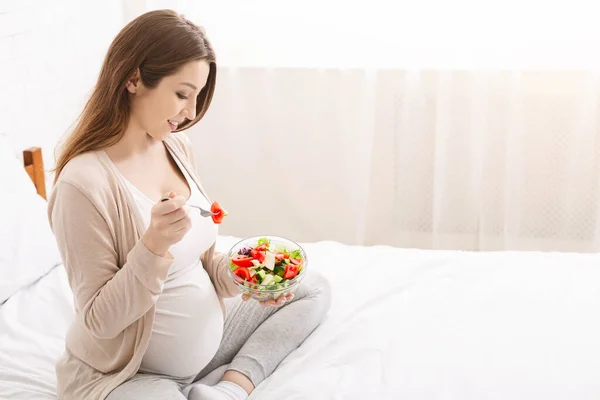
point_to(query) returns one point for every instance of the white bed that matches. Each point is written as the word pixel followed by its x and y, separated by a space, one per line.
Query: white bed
pixel 404 324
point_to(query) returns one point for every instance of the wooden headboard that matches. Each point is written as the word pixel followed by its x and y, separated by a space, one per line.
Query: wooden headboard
pixel 34 165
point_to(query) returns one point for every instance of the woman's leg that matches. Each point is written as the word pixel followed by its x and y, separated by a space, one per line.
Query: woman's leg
pixel 149 387
pixel 256 339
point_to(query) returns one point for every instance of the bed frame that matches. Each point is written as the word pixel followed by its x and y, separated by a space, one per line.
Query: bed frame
pixel 34 165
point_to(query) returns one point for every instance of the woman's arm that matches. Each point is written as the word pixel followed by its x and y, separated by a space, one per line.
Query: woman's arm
pixel 108 298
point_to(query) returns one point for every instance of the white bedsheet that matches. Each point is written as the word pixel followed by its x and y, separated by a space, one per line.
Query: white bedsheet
pixel 33 324
pixel 404 324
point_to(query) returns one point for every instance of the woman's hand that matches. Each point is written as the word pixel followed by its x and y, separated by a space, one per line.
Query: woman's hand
pixel 168 225
pixel 281 300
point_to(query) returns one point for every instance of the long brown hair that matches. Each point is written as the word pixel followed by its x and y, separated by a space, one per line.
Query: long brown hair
pixel 157 43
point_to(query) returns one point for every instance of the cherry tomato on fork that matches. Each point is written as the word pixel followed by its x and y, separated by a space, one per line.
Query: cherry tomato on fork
pixel 220 213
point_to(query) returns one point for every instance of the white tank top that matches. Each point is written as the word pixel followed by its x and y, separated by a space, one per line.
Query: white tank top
pixel 188 325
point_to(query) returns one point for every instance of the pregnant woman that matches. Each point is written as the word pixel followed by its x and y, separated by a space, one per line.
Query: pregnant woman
pixel 155 308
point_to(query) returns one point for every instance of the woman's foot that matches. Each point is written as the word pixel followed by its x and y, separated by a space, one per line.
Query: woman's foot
pixel 223 390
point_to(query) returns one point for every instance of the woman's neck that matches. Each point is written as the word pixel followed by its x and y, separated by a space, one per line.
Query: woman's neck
pixel 134 143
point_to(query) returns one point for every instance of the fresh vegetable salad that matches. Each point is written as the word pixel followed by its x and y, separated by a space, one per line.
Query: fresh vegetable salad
pixel 266 265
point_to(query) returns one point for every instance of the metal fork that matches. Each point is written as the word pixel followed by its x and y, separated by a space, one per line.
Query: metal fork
pixel 203 212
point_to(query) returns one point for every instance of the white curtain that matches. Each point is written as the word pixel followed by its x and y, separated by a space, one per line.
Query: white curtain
pixel 486 160
pixel 445 131
pixel 430 159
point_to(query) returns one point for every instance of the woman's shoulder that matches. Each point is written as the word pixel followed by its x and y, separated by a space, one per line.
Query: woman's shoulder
pixel 86 178
pixel 82 183
pixel 85 171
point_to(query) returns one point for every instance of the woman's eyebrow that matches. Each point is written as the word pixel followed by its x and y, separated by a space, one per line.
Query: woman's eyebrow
pixel 190 85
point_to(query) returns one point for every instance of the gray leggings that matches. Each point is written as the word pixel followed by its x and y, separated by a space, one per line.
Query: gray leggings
pixel 255 340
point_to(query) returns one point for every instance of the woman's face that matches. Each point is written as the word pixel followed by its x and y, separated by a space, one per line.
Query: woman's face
pixel 158 111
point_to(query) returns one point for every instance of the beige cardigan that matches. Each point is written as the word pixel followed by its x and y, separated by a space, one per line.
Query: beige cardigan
pixel 115 279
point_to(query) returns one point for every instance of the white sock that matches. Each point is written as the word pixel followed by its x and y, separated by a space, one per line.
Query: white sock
pixel 223 390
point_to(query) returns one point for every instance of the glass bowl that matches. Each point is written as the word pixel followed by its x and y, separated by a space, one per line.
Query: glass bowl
pixel 271 290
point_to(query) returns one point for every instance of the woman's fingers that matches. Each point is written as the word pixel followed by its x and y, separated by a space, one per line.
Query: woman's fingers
pixel 281 300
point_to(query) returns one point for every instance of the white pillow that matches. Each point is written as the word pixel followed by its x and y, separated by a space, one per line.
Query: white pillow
pixel 28 249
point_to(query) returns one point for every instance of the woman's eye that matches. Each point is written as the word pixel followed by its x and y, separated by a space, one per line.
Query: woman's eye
pixel 182 97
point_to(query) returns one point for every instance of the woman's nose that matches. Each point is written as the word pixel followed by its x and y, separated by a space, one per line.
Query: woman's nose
pixel 189 112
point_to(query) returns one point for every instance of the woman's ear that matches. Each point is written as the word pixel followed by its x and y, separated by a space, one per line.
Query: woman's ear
pixel 134 83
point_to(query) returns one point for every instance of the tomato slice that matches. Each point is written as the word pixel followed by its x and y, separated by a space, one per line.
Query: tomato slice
pixel 296 261
pixel 259 255
pixel 279 257
pixel 242 261
pixel 262 247
pixel 290 271
pixel 243 273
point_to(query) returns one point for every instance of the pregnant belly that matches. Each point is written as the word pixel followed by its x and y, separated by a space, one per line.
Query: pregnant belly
pixel 188 326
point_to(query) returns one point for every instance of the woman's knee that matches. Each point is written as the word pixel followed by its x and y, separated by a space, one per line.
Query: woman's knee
pixel 317 288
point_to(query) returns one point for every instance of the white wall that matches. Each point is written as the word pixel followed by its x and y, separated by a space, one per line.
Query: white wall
pixel 50 54
pixel 395 34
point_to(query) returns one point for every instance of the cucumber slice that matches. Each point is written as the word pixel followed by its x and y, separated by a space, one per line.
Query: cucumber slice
pixel 261 275
pixel 267 279
pixel 279 270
